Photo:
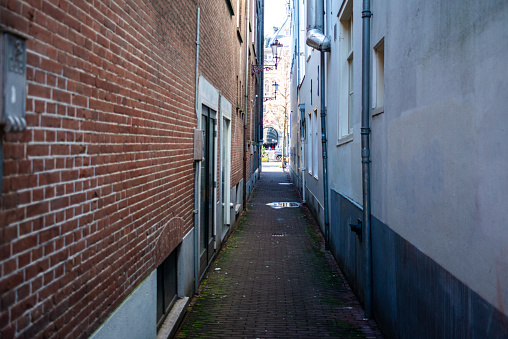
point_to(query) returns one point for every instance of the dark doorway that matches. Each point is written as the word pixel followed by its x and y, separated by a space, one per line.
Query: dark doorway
pixel 206 235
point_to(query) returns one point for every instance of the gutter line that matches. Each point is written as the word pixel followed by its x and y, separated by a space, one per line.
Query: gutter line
pixel 197 168
pixel 365 131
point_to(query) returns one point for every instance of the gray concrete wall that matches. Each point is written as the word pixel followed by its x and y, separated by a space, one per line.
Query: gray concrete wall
pixel 442 163
pixel 136 317
pixel 437 165
pixel 186 257
pixel 313 181
pixel 413 296
pixel 236 198
pixel 438 161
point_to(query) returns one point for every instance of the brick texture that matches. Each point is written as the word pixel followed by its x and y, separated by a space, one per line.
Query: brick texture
pixel 106 161
pixel 105 166
pixel 223 63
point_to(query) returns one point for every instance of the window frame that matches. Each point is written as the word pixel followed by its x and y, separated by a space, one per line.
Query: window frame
pixel 345 119
pixel 315 146
pixel 167 270
pixel 378 91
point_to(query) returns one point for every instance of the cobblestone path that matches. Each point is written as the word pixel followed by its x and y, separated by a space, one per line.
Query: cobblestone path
pixel 273 278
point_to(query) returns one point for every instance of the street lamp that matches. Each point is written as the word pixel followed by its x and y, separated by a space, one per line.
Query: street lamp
pixel 276 85
pixel 276 45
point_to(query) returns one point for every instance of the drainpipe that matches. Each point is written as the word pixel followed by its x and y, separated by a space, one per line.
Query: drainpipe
pixel 365 131
pixel 302 136
pixel 318 40
pixel 325 154
pixel 315 27
pixel 297 52
pixel 297 47
pixel 246 99
pixel 196 171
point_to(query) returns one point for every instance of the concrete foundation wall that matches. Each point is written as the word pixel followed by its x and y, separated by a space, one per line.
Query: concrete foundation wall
pixel 413 296
pixel 236 199
pixel 136 316
pixel 186 257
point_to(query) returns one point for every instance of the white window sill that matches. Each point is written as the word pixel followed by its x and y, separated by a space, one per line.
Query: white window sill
pixel 345 139
pixel 378 110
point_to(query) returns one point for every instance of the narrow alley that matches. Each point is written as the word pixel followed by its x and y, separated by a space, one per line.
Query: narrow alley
pixel 273 279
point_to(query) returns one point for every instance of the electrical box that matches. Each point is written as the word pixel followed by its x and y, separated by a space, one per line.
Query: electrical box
pixel 13 84
pixel 199 138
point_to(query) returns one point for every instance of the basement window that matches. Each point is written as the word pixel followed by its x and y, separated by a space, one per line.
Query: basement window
pixel 166 287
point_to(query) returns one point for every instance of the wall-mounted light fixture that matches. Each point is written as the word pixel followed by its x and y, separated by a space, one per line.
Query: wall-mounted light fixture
pixel 276 85
pixel 276 45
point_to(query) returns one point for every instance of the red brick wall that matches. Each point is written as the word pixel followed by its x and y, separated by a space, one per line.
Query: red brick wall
pixel 105 162
pixel 222 63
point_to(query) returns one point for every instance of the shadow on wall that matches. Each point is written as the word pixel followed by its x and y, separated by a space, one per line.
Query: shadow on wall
pixel 413 296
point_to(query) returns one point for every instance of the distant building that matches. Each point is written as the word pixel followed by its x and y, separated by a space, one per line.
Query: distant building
pixel 276 82
pixel 438 157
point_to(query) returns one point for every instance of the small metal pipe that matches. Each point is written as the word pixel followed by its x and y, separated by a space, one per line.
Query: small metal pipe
pixel 196 171
pixel 315 26
pixel 317 39
pixel 303 130
pixel 324 153
pixel 365 131
pixel 246 109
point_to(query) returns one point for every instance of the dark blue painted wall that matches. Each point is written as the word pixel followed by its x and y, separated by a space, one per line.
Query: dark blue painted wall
pixel 413 296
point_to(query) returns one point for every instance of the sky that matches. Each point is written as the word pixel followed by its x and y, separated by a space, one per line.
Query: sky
pixel 275 13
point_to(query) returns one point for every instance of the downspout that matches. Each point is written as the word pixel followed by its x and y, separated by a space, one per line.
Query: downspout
pixel 196 171
pixel 315 26
pixel 318 40
pixel 246 100
pixel 365 131
pixel 301 107
pixel 324 152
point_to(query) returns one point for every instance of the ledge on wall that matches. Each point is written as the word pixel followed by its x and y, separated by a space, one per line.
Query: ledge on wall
pixel 174 319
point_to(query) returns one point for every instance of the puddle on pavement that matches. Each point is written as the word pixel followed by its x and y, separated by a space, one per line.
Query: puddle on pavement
pixel 278 205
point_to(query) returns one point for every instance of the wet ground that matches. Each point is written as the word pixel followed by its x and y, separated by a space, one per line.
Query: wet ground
pixel 273 278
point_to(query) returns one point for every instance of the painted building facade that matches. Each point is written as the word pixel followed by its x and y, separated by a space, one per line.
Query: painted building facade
pixel 439 250
pixel 136 158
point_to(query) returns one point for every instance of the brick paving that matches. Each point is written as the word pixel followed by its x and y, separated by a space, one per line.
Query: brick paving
pixel 273 278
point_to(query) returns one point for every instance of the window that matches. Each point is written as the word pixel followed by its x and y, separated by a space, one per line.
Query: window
pixel 309 143
pixel 379 78
pixel 315 145
pixel 346 88
pixel 166 287
pixel 238 13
